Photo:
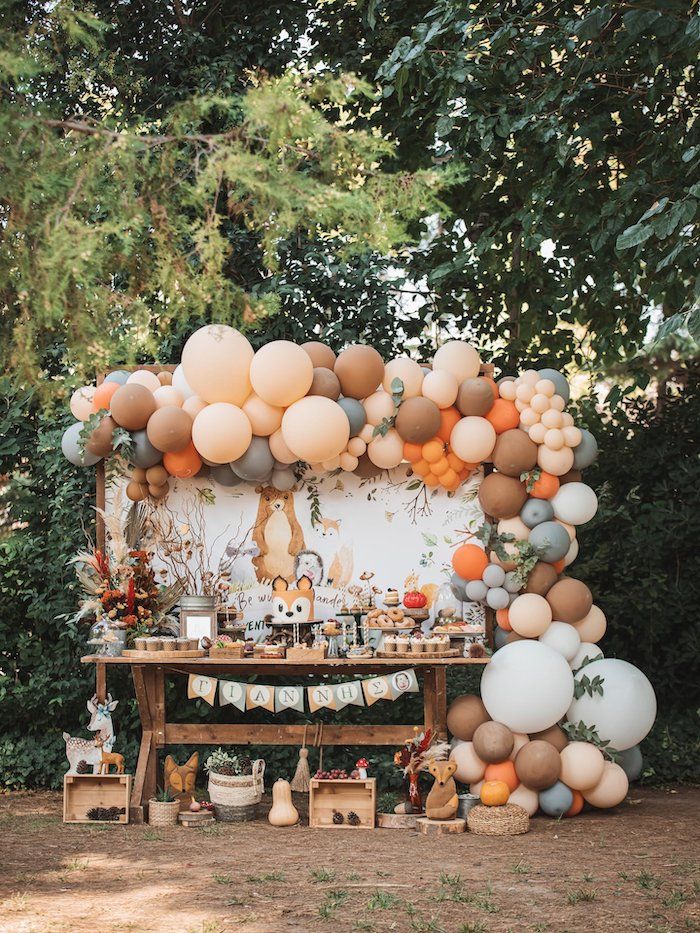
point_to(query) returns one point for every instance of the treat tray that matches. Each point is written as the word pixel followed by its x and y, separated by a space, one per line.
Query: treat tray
pixel 161 655
pixel 423 655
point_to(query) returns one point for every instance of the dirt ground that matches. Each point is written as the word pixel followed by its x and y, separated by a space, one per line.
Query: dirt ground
pixel 635 868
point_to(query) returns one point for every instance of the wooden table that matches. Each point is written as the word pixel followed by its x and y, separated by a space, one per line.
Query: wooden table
pixel 156 732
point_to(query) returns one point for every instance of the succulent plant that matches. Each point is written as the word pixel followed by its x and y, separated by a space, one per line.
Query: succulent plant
pixel 222 762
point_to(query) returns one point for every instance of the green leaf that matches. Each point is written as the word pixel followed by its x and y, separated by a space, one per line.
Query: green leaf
pixel 634 235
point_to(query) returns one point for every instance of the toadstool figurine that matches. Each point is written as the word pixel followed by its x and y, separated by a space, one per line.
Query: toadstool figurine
pixel 362 766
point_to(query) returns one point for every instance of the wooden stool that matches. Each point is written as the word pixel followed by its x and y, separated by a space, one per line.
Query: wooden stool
pixel 440 827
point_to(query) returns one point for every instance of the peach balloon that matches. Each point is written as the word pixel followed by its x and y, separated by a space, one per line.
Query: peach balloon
pixel 537 433
pixel 524 392
pixel 473 439
pixel 525 798
pixel 216 364
pixel 81 402
pixel 459 358
pixel 507 390
pixel 582 765
pixel 348 462
pixel 330 465
pixel 367 434
pixel 572 435
pixel 475 788
pixel 570 529
pixel 168 396
pixel 221 432
pixel 102 395
pixel 529 417
pixel 610 790
pixel 386 451
pixel 145 378
pixel 551 418
pixel 545 387
pixel 441 387
pixel 408 371
pixel 264 419
pixel 356 446
pixel 378 406
pixel 554 438
pixel 281 373
pixel 558 404
pixel 470 768
pixel 556 462
pixel 193 405
pixel 530 615
pixel 279 449
pixel 315 428
pixel 519 740
pixel 513 526
pixel 592 626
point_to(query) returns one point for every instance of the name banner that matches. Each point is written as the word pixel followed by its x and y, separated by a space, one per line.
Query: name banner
pixel 245 696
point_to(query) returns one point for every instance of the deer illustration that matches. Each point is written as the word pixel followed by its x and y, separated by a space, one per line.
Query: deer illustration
pixel 78 749
pixel 108 758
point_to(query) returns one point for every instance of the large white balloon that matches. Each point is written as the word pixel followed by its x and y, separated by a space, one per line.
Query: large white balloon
pixel 574 503
pixel 527 686
pixel 625 712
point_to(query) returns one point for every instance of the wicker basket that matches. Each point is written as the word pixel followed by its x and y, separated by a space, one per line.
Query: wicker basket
pixel 163 812
pixel 236 796
pixel 508 820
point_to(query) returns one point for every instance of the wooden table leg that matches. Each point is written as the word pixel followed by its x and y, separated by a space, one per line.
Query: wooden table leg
pixel 441 702
pixel 101 681
pixel 146 777
pixel 429 699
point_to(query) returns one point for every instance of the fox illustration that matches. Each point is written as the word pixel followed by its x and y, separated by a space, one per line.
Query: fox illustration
pixel 293 605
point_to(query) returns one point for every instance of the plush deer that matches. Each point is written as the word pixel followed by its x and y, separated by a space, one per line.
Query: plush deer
pixel 442 800
pixel 78 749
pixel 108 758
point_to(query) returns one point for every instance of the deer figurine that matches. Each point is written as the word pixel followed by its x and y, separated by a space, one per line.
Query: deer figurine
pixel 78 749
pixel 108 758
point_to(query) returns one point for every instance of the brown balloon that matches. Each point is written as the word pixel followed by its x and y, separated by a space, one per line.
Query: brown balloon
pixel 513 636
pixel 573 476
pixel 475 397
pixel 131 406
pixel 325 382
pixel 100 441
pixel 538 765
pixel 321 355
pixel 360 370
pixel 140 475
pixel 418 420
pixel 156 475
pixel 542 578
pixel 137 492
pixel 169 429
pixel 159 492
pixel 493 742
pixel 570 600
pixel 165 378
pixel 514 453
pixel 502 496
pixel 365 468
pixel 465 715
pixel 555 735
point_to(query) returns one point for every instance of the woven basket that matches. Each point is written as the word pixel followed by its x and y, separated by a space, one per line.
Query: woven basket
pixel 163 812
pixel 229 814
pixel 508 820
pixel 233 795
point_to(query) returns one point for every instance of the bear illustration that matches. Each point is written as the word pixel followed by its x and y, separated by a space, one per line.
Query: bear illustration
pixel 277 534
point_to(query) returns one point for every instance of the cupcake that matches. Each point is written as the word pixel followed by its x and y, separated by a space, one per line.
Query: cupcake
pixel 403 643
pixel 183 644
pixel 417 644
pixel 154 644
pixel 169 643
pixel 140 644
pixel 390 644
pixel 432 643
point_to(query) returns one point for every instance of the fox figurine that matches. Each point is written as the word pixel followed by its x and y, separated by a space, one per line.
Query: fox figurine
pixel 442 800
pixel 293 605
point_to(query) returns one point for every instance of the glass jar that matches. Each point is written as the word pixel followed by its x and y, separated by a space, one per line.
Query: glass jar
pixel 107 639
pixel 446 607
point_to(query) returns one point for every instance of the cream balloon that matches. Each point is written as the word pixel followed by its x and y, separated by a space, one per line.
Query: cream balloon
pixel 586 652
pixel 193 405
pixel 168 395
pixel 470 768
pixel 216 363
pixel 459 358
pixel 610 790
pixel 408 371
pixel 265 419
pixel 315 428
pixel 507 390
pixel 221 432
pixel 279 449
pixel 530 615
pixel 626 710
pixel 348 462
pixel 475 788
pixel 386 451
pixel 571 554
pixel 520 739
pixel 562 638
pixel 441 387
pixel 378 406
pixel 527 799
pixel 574 503
pixel 281 373
pixel 367 434
pixel 591 627
pixel 181 384
pixel 473 439
pixel 81 403
pixel 356 446
pixel 145 378
pixel 582 765
pixel 556 462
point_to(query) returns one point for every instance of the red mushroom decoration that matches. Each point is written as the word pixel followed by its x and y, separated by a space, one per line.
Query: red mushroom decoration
pixel 362 766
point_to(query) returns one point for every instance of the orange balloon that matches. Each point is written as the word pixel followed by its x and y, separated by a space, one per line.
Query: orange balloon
pixel 463 474
pixel 503 620
pixel 455 462
pixel 449 478
pixel 422 468
pixel 469 562
pixel 433 451
pixel 448 419
pixel 504 416
pixel 559 566
pixel 577 805
pixel 545 487
pixel 412 452
pixel 183 463
pixel 503 771
pixel 103 395
pixel 440 466
pixel 431 479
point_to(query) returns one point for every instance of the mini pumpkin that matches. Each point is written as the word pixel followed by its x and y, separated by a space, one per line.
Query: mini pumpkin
pixel 494 793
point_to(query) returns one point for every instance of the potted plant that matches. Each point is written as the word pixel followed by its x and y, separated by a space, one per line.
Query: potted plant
pixel 235 785
pixel 163 809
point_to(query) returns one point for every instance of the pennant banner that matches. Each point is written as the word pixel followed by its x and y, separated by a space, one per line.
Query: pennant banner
pixel 260 695
pixel 348 694
pixel 377 689
pixel 289 698
pixel 403 682
pixel 321 697
pixel 203 688
pixel 233 693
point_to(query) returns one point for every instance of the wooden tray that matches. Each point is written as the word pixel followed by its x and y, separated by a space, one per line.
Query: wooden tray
pixel 161 655
pixel 424 655
pixel 418 615
pixel 391 628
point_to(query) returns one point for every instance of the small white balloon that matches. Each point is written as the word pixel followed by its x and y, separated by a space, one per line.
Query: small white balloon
pixel 575 503
pixel 562 638
pixel 586 652
pixel 181 384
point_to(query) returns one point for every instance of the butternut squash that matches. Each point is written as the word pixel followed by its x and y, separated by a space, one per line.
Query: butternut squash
pixel 283 811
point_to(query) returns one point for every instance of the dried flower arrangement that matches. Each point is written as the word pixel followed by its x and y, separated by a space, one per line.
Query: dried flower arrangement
pixel 416 753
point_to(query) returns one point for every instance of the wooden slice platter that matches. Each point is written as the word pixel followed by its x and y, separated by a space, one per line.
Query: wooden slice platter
pixel 423 655
pixel 161 655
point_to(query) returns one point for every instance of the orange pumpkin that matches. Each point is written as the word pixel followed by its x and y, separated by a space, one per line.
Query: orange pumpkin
pixel 503 771
pixel 494 793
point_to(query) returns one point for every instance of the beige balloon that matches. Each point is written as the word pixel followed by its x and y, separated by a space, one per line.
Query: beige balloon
pixel 221 432
pixel 81 403
pixel 378 406
pixel 348 462
pixel 530 615
pixel 279 449
pixel 610 790
pixel 216 364
pixel 470 768
pixel 356 447
pixel 441 387
pixel 519 740
pixel 459 358
pixel 315 428
pixel 556 462
pixel 473 439
pixel 281 373
pixel 193 405
pixel 145 378
pixel 527 799
pixel 386 451
pixel 592 627
pixel 166 396
pixel 265 419
pixel 582 765
pixel 408 371
pixel 367 434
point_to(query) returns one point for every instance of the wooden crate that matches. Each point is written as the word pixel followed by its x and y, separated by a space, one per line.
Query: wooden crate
pixel 307 654
pixel 231 654
pixel 327 796
pixel 81 792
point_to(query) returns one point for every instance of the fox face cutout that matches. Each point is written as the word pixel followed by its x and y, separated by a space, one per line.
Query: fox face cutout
pixel 180 779
pixel 295 605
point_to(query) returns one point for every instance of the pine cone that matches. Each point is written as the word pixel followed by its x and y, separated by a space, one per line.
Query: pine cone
pixel 83 767
pixel 245 764
pixel 353 818
pixel 338 818
pixel 227 769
